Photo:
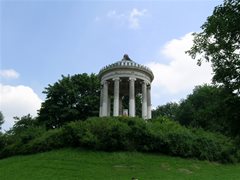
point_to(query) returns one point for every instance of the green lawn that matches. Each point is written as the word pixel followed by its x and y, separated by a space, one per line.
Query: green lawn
pixel 81 164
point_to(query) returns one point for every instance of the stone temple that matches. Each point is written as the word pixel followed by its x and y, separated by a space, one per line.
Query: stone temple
pixel 125 78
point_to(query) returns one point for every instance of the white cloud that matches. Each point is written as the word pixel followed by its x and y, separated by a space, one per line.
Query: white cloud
pixel 9 74
pixel 180 75
pixel 131 18
pixel 119 19
pixel 17 101
pixel 134 18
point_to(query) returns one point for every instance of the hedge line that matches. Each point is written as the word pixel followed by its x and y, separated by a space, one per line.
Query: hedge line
pixel 160 135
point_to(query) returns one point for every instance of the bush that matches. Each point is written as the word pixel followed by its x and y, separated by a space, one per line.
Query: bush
pixel 74 131
pixel 160 135
pixel 15 142
pixel 98 133
pixel 174 139
pixel 2 141
pixel 52 139
pixel 139 135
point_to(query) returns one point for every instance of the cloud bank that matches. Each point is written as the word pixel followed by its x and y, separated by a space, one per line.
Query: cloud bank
pixel 17 101
pixel 180 74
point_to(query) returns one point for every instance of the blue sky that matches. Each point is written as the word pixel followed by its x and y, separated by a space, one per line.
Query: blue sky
pixel 41 40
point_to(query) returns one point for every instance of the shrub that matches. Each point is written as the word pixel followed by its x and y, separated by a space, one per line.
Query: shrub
pixel 174 139
pixel 27 144
pixel 2 141
pixel 160 135
pixel 15 142
pixel 98 133
pixel 74 131
pixel 139 134
pixel 52 139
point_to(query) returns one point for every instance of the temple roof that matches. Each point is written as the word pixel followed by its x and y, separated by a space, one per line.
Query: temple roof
pixel 126 63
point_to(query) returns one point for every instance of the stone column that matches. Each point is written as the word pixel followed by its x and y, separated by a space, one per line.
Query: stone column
pixel 101 100
pixel 144 100
pixel 116 97
pixel 132 97
pixel 105 99
pixel 149 105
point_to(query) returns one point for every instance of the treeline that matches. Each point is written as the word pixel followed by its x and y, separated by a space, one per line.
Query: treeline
pixel 159 135
pixel 209 107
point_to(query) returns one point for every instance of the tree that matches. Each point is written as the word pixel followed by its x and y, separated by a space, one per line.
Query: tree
pixel 169 110
pixel 71 98
pixel 23 123
pixel 1 120
pixel 211 108
pixel 25 129
pixel 219 43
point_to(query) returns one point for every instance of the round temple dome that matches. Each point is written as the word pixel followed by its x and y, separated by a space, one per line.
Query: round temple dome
pixel 126 63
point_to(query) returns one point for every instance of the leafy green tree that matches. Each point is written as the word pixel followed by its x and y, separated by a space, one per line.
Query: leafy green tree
pixel 169 110
pixel 1 134
pixel 23 123
pixel 25 129
pixel 211 108
pixel 1 120
pixel 219 43
pixel 71 98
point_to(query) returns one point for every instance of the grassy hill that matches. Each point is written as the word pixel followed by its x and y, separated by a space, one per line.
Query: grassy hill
pixel 81 164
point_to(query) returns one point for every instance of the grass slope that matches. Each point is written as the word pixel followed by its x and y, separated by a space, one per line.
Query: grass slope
pixel 81 164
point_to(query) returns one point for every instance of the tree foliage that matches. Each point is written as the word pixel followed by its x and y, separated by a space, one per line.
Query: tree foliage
pixel 219 43
pixel 168 110
pixel 71 98
pixel 1 120
pixel 211 108
pixel 23 123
